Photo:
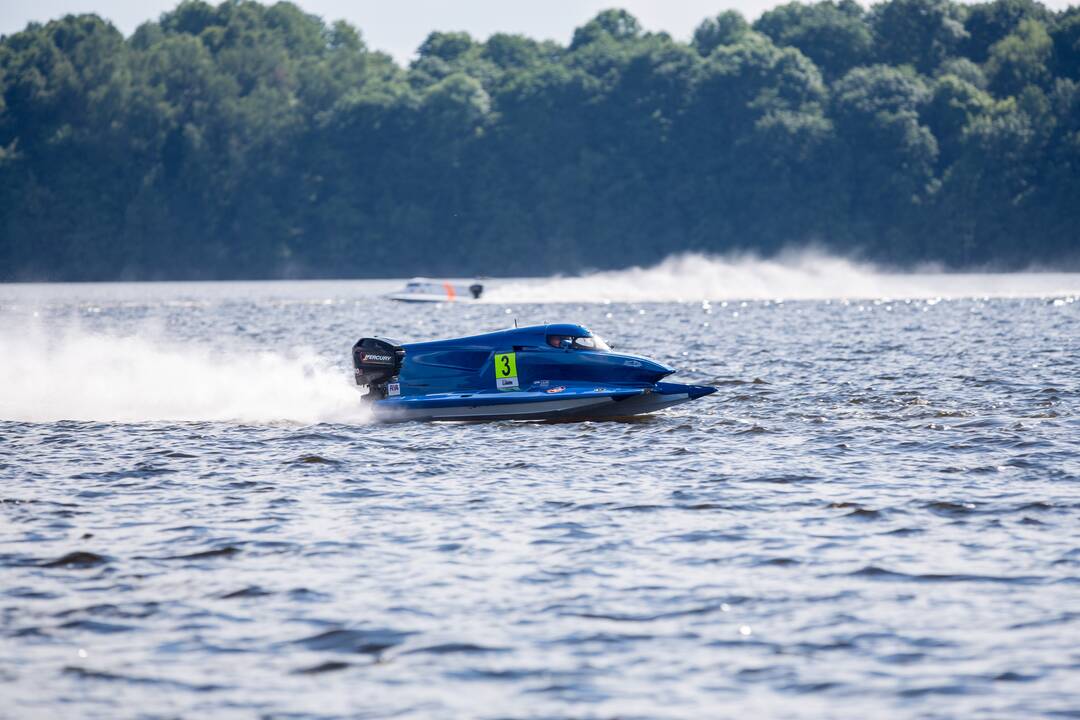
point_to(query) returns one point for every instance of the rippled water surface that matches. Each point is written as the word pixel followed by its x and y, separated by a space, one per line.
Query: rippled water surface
pixel 878 515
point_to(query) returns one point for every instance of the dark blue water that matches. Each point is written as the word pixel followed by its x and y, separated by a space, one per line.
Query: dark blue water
pixel 878 515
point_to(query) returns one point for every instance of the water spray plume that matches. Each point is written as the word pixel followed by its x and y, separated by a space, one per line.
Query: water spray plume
pixel 74 375
pixel 791 276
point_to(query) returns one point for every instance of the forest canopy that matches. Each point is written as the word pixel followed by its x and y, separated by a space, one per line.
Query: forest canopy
pixel 248 141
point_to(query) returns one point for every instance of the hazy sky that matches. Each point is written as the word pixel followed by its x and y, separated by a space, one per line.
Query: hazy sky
pixel 399 26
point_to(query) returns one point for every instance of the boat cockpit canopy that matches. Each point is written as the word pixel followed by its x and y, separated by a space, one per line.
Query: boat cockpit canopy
pixel 579 342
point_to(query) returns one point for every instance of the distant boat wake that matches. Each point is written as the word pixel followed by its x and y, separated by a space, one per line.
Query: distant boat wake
pixel 793 276
pixel 75 375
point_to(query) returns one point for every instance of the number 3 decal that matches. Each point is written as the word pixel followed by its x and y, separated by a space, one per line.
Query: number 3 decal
pixel 506 376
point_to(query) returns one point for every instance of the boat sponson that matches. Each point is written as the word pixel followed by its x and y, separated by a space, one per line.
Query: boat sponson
pixel 568 402
pixel 496 398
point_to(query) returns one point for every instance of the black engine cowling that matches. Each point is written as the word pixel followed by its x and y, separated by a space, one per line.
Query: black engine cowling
pixel 377 360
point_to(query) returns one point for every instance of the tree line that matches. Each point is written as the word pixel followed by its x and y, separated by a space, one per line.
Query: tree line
pixel 247 141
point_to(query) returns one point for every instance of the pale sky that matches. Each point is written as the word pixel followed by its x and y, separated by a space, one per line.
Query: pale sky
pixel 399 26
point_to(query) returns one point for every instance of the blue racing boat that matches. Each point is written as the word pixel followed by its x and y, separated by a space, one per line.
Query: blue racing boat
pixel 544 372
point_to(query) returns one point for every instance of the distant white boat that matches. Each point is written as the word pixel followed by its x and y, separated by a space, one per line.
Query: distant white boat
pixel 423 290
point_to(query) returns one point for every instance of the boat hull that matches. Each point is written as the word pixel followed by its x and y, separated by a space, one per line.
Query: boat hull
pixel 559 403
pixel 429 298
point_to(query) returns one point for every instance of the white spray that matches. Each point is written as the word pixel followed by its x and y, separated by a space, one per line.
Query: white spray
pixel 76 375
pixel 792 276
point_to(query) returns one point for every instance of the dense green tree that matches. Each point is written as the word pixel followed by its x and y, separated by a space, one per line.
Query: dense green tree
pixel 1020 59
pixel 609 24
pixel 1066 37
pixel 988 23
pixel 1057 185
pixel 513 52
pixel 835 35
pixel 890 155
pixel 920 33
pixel 992 170
pixel 964 69
pixel 955 105
pixel 248 140
pixel 724 29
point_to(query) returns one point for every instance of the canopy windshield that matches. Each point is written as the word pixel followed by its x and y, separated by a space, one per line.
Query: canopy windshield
pixel 415 286
pixel 579 342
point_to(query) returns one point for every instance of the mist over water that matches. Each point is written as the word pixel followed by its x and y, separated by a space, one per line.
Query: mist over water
pixel 792 276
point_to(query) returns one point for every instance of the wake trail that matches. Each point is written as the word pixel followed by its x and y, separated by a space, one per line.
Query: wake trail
pixel 77 375
pixel 791 276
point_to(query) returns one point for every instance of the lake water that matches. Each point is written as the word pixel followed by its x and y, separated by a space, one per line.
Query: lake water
pixel 878 514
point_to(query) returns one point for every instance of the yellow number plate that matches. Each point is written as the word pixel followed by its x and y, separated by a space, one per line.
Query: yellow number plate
pixel 506 371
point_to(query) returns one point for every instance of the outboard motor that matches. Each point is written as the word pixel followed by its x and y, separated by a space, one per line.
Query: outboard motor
pixel 377 362
pixel 476 289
